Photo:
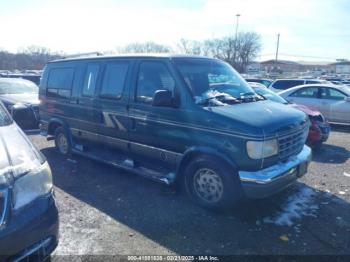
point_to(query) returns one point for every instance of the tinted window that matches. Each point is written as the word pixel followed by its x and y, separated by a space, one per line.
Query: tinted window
pixel 60 78
pixel 114 79
pixel 285 84
pixel 309 92
pixel 153 76
pixel 90 79
pixel 333 94
pixel 59 83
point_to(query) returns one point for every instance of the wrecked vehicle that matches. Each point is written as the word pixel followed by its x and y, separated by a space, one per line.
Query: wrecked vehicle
pixel 28 213
pixel 175 119
pixel 20 98
pixel 319 126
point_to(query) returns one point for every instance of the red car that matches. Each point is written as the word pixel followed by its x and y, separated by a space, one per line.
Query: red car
pixel 319 129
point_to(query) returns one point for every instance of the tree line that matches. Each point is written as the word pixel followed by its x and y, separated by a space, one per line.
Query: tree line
pixel 32 57
pixel 238 52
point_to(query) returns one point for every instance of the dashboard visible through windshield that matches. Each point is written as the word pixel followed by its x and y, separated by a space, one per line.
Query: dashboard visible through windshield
pixel 209 78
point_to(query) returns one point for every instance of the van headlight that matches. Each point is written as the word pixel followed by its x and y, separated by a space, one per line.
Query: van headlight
pixel 262 149
pixel 32 185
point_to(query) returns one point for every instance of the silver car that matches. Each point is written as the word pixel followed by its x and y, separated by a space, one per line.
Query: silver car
pixel 331 100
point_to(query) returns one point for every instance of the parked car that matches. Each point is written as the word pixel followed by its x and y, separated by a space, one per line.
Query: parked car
pixel 264 81
pixel 256 85
pixel 283 84
pixel 175 119
pixel 319 128
pixel 21 99
pixel 331 100
pixel 35 78
pixel 28 213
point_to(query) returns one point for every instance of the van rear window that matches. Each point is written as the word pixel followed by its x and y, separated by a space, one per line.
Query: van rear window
pixel 60 81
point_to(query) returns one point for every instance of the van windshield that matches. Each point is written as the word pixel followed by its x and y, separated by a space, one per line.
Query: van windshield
pixel 209 78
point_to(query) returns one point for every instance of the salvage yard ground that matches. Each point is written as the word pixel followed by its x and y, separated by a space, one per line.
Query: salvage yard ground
pixel 111 212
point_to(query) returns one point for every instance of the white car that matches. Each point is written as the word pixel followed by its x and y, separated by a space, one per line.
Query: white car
pixel 331 100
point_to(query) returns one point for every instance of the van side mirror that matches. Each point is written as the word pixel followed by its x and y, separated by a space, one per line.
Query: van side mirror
pixel 347 99
pixel 163 98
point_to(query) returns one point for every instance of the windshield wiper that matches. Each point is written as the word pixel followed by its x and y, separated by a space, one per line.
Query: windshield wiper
pixel 250 97
pixel 218 100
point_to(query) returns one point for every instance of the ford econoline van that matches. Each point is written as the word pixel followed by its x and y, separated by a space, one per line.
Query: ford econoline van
pixel 175 119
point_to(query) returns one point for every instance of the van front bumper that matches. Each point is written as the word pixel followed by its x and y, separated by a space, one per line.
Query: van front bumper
pixel 268 181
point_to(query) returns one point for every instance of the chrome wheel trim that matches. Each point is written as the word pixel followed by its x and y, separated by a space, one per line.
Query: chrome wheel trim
pixel 62 143
pixel 208 185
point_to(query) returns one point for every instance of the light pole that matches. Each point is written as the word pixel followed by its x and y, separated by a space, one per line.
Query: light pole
pixel 235 52
pixel 237 20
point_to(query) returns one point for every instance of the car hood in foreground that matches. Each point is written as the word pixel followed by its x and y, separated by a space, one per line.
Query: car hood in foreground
pixel 17 154
pixel 28 98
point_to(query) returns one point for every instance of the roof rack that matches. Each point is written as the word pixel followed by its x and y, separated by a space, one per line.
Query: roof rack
pixel 83 55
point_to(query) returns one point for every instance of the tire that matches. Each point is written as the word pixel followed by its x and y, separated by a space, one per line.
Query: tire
pixel 212 184
pixel 62 142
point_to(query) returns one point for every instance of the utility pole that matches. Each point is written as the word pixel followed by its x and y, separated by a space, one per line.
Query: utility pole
pixel 235 51
pixel 278 43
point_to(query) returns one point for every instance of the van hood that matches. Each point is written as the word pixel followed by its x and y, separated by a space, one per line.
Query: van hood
pixel 17 155
pixel 27 98
pixel 266 117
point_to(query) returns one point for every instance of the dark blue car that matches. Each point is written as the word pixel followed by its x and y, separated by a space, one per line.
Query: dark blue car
pixel 28 213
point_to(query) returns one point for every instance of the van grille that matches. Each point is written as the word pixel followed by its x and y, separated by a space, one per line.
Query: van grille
pixel 291 144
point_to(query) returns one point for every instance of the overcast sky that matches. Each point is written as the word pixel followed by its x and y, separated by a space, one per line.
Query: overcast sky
pixel 310 28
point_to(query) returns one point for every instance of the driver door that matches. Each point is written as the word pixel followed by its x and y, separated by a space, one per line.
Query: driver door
pixel 153 131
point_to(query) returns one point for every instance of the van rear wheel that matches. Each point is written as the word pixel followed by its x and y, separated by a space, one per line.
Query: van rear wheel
pixel 212 183
pixel 62 142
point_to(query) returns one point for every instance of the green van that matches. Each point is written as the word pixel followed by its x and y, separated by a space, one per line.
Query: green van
pixel 175 119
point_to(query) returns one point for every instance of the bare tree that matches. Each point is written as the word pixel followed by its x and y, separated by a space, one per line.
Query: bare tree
pixel 247 45
pixel 32 57
pixel 147 47
pixel 190 47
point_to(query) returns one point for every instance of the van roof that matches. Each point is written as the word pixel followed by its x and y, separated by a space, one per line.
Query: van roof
pixel 157 55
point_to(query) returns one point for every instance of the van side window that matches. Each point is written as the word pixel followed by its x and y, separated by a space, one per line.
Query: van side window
pixel 114 79
pixel 90 79
pixel 153 76
pixel 59 83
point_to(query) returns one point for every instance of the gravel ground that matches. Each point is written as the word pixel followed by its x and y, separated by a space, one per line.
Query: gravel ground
pixel 111 212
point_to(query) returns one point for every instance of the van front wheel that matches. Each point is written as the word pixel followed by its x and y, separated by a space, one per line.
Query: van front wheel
pixel 212 184
pixel 62 142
